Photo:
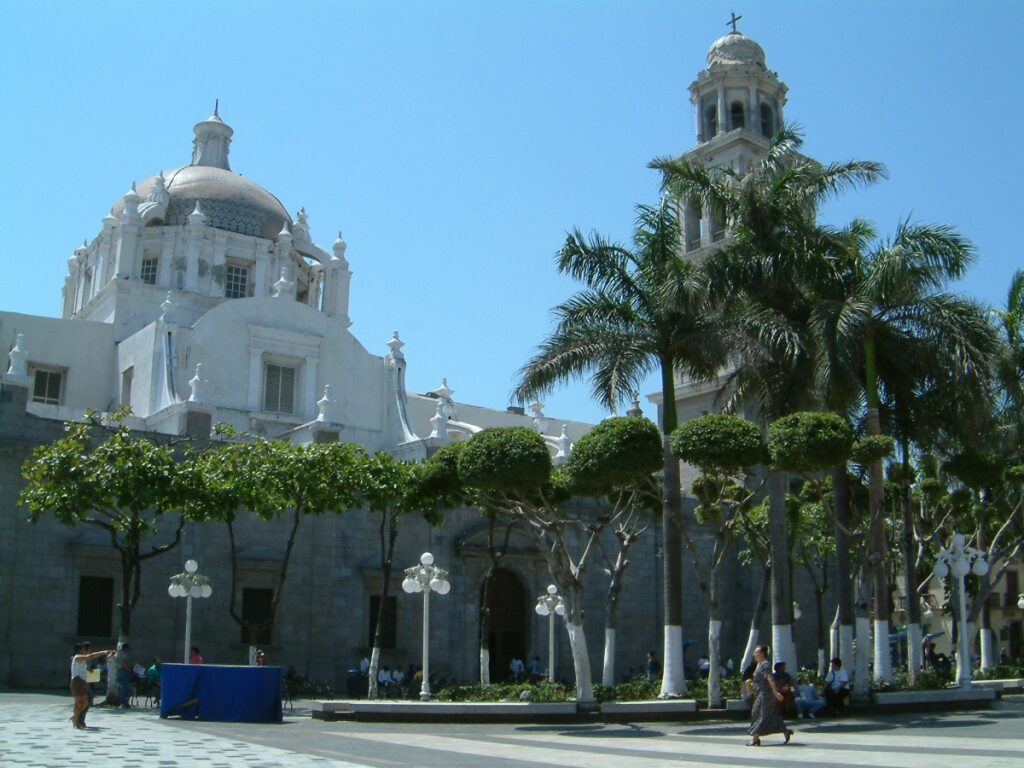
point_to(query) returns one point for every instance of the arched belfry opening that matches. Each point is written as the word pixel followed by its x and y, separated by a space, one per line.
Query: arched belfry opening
pixel 509 616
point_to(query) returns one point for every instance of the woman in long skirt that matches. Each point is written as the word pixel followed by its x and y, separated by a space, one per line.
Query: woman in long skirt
pixel 766 710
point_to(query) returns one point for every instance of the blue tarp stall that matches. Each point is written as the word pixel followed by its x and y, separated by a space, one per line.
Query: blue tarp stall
pixel 229 694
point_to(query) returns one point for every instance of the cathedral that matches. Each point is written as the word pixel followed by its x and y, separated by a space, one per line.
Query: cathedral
pixel 201 300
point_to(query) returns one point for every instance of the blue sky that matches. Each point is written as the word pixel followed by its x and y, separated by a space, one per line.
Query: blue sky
pixel 454 143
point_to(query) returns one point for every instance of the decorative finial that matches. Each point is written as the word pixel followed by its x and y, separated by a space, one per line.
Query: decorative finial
pixel 733 21
pixel 216 106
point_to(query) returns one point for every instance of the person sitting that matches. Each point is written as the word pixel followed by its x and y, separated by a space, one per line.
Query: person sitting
pixel 384 679
pixel 808 703
pixel 194 656
pixel 784 685
pixel 703 667
pixel 837 686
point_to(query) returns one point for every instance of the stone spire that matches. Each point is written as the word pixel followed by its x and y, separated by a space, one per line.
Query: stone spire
pixel 210 146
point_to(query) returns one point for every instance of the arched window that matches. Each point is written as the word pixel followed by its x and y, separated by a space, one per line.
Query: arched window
pixel 710 121
pixel 736 115
pixel 767 121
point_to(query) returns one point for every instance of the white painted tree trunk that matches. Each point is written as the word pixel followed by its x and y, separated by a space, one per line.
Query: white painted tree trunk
pixel 833 643
pixel 714 656
pixel 673 675
pixel 988 656
pixel 485 666
pixel 915 655
pixel 748 652
pixel 252 655
pixel 861 683
pixel 882 670
pixel 822 662
pixel 371 689
pixel 963 673
pixel 783 648
pixel 581 663
pixel 608 670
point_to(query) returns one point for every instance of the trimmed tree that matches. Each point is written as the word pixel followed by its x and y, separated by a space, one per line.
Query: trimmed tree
pixel 724 446
pixel 101 475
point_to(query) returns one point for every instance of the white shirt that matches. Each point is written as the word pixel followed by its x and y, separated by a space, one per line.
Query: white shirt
pixel 837 678
pixel 79 669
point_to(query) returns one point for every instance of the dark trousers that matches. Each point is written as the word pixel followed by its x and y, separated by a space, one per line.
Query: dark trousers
pixel 834 698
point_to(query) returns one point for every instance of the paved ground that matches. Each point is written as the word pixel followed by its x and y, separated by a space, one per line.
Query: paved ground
pixel 34 731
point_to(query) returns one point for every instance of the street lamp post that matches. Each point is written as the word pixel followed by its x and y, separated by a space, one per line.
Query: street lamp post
pixel 188 585
pixel 423 578
pixel 960 560
pixel 550 604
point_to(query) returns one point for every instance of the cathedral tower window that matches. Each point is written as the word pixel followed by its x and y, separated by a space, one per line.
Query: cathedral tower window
pixel 767 121
pixel 736 115
pixel 279 389
pixel 236 281
pixel 148 271
pixel 710 121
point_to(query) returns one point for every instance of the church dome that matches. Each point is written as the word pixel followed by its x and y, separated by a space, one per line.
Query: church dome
pixel 228 200
pixel 735 49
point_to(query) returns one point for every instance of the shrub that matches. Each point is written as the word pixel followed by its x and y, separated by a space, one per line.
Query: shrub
pixel 809 441
pixel 505 459
pixel 544 691
pixel 718 443
pixel 616 453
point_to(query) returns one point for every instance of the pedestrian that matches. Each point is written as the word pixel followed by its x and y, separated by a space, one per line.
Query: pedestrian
pixel 194 656
pixel 79 680
pixel 765 712
pixel 261 659
pixel 653 666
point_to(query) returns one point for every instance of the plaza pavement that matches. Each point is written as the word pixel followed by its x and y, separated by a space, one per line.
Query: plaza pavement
pixel 34 731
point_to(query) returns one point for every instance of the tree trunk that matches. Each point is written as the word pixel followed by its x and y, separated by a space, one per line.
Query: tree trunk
pixel 913 608
pixel 580 662
pixel 861 683
pixel 485 627
pixel 876 531
pixel 844 571
pixel 782 594
pixel 760 605
pixel 608 668
pixel 388 534
pixel 673 679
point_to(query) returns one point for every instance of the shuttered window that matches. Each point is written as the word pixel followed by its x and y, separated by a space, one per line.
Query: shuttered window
pixel 279 391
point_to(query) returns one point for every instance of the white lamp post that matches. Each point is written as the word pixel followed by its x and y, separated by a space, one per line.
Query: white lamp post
pixel 423 578
pixel 188 585
pixel 960 560
pixel 549 605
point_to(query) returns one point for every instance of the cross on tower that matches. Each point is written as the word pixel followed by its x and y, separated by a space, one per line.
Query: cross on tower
pixel 733 20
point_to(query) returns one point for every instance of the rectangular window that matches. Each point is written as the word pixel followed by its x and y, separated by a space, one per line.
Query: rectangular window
pixel 388 623
pixel 47 387
pixel 236 281
pixel 279 389
pixel 148 272
pixel 256 605
pixel 95 606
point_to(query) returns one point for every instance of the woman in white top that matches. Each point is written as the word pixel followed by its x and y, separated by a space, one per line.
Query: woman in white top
pixel 79 682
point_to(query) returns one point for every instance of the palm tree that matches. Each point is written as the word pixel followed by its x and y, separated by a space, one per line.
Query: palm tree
pixel 764 278
pixel 643 310
pixel 1010 368
pixel 886 314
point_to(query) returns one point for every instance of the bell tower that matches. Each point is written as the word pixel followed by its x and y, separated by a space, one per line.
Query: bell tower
pixel 737 103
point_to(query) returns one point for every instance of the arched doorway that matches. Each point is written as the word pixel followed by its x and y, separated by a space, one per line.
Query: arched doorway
pixel 507 635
